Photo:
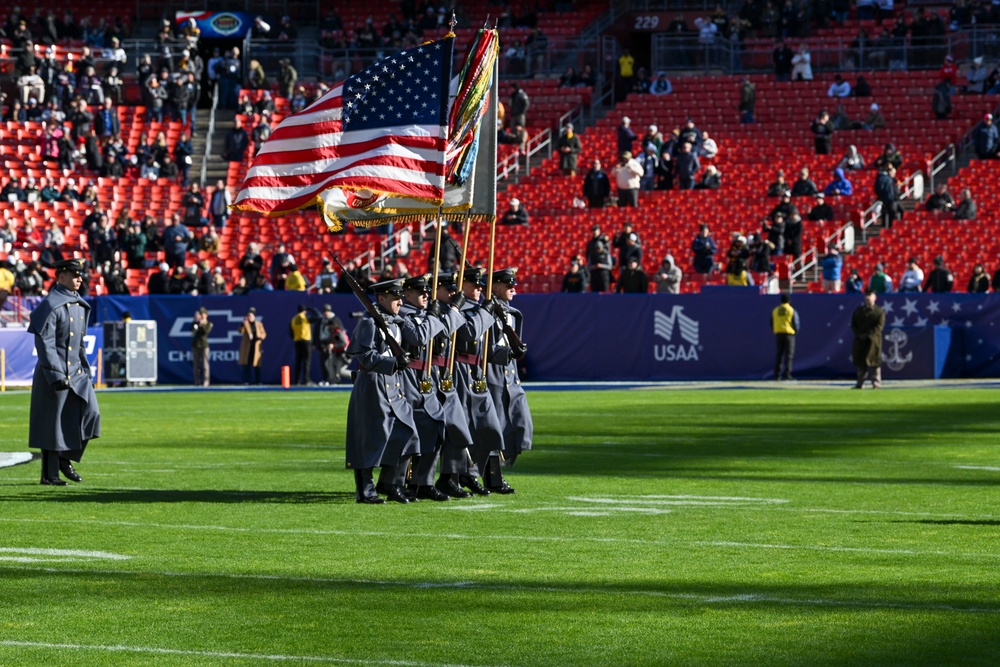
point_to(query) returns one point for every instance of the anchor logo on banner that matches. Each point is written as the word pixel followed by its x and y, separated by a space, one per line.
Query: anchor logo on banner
pixel 898 339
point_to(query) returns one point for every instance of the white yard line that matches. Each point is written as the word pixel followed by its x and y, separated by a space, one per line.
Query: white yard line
pixel 225 654
pixel 8 459
pixel 516 538
pixel 700 598
pixel 102 555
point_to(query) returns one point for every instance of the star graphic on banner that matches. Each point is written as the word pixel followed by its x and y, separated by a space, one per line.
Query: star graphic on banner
pixel 943 322
pixel 968 324
pixel 887 307
pixel 956 307
pixel 921 322
pixel 910 307
pixel 933 307
pixel 897 321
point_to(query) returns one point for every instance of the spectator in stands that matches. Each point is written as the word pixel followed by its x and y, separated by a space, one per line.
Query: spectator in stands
pixel 986 138
pixel 516 136
pixel 587 77
pixel 569 79
pixel 236 142
pixel 711 179
pixel 840 119
pixel 793 235
pixel 626 71
pixel 880 282
pixel 265 105
pixel 949 71
pixel 575 280
pixel 875 119
pixel 821 210
pixel 966 209
pixel 299 100
pixel 704 248
pixel 168 168
pixel 193 202
pixel 516 57
pixel 159 281
pixel 839 88
pixel 256 77
pixel 941 200
pixel 183 280
pixel 288 77
pixel 295 281
pixel 626 135
pixel 913 278
pixel 941 100
pixel 839 186
pixel 518 107
pixel 251 263
pixel 832 264
pixel 633 280
pixel 599 267
pixel 650 162
pixel 627 175
pixel 785 207
pixel 854 284
pixel 184 156
pixel 69 193
pixel 516 214
pixel 652 136
pixel 803 185
pixel 774 227
pixel 668 277
pixel 106 121
pixel 150 169
pixel 823 130
pixel 326 280
pixel 261 132
pixel 569 147
pixel 861 88
pixel 218 206
pixel 708 149
pixel 686 166
pixel 802 64
pixel 628 245
pixel 280 261
pixel 940 279
pixel 49 192
pixel 979 282
pixel 661 85
pixel 12 192
pixel 975 78
pixel 230 77
pixel 133 244
pixel 188 94
pixel 176 239
pixel 31 85
pixel 887 192
pixel 889 156
pixel 748 102
pixel 779 186
pixel 596 186
pixel 738 257
pixel 782 57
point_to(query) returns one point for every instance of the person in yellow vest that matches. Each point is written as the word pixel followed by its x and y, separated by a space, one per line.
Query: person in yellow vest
pixel 785 324
pixel 302 335
pixel 295 282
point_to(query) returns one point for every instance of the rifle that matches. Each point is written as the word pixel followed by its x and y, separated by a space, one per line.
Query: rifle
pixel 397 349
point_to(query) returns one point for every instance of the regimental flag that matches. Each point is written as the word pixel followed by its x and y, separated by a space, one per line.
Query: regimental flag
pixel 470 157
pixel 381 133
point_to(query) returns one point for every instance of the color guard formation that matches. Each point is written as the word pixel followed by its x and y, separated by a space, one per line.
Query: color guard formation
pixel 437 381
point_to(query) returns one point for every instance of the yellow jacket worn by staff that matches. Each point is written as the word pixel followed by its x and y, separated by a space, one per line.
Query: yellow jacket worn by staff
pixel 783 319
pixel 301 329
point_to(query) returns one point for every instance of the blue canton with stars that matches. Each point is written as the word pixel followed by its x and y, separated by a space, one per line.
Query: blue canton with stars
pixel 409 88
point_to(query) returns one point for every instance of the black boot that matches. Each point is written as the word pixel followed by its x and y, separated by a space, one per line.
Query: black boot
pixel 50 469
pixel 365 488
pixel 472 484
pixel 494 477
pixel 68 471
pixel 447 485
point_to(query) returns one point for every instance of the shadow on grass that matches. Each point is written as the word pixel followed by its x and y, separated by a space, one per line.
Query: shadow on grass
pixel 955 522
pixel 187 496
pixel 845 623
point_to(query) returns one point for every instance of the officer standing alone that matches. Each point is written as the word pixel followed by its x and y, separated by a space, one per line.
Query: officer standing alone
pixel 64 412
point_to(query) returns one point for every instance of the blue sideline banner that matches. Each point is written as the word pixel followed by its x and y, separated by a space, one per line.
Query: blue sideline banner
pixel 20 356
pixel 718 335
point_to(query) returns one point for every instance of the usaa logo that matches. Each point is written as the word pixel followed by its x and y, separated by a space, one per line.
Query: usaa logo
pixel 664 326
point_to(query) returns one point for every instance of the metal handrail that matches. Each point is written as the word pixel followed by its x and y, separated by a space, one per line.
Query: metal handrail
pixel 810 258
pixel 209 134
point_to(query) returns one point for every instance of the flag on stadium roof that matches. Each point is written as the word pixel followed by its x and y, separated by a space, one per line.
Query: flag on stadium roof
pixel 380 133
pixel 470 163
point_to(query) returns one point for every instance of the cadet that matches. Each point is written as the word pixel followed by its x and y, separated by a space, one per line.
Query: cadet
pixel 469 380
pixel 456 462
pixel 380 428
pixel 64 412
pixel 504 383
pixel 429 320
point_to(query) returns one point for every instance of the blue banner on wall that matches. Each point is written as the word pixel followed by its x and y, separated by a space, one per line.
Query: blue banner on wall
pixel 722 335
pixel 20 356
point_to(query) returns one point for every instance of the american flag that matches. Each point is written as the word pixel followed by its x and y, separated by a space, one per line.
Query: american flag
pixel 382 130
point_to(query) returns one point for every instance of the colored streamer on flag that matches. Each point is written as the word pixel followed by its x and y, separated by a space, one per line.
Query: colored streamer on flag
pixel 381 134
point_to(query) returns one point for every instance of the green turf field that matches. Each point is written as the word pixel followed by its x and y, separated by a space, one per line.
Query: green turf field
pixel 653 527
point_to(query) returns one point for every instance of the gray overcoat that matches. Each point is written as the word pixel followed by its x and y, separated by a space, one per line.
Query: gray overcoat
pixel 380 428
pixel 505 386
pixel 483 420
pixel 62 420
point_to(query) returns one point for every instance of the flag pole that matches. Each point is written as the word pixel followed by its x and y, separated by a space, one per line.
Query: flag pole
pixel 460 280
pixel 425 383
pixel 489 293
